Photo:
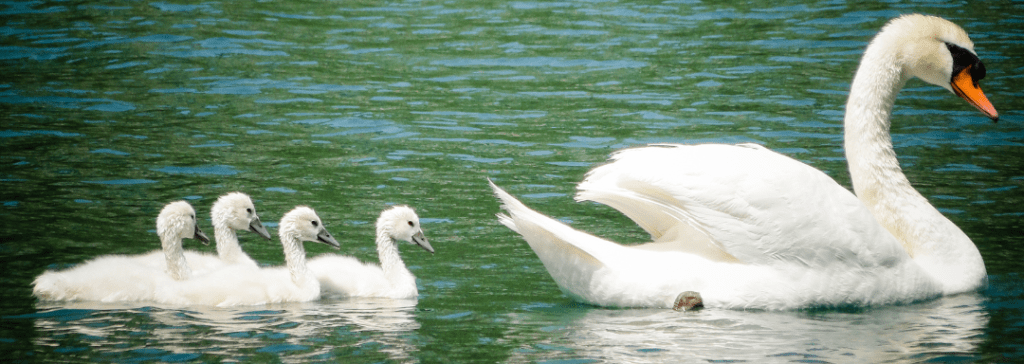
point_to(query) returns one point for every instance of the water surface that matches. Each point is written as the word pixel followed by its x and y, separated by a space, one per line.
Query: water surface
pixel 111 110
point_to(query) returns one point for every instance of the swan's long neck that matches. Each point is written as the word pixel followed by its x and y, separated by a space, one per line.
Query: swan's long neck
pixel 227 241
pixel 874 169
pixel 928 236
pixel 387 250
pixel 177 266
pixel 295 256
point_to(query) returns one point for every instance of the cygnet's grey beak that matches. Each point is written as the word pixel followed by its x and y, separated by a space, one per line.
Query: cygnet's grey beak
pixel 421 240
pixel 198 235
pixel 326 238
pixel 257 227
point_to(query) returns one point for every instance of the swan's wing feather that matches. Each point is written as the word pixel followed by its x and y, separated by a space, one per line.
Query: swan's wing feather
pixel 745 202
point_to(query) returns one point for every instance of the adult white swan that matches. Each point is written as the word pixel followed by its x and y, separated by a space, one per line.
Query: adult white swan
pixel 347 276
pixel 750 228
pixel 123 278
pixel 243 285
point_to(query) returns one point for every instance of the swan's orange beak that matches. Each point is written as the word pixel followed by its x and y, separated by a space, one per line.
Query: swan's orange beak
pixel 967 88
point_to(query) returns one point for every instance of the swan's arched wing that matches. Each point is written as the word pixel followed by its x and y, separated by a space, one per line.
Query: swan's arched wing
pixel 740 202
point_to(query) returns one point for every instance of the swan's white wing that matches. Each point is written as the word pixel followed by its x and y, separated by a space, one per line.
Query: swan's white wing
pixel 744 202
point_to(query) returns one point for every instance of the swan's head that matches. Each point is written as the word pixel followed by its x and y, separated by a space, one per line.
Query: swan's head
pixel 177 221
pixel 303 223
pixel 939 52
pixel 401 223
pixel 236 211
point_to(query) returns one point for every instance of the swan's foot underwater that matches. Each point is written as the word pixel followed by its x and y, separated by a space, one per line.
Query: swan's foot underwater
pixel 688 301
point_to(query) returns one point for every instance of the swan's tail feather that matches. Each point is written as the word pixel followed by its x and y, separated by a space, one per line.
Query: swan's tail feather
pixel 507 221
pixel 558 245
pixel 562 249
pixel 508 203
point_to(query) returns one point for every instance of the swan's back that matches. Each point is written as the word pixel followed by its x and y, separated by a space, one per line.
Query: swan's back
pixel 754 211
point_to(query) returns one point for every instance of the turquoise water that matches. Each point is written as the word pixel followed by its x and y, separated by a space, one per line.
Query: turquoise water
pixel 110 110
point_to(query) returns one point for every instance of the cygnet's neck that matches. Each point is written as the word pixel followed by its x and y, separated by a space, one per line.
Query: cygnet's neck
pixel 387 250
pixel 227 242
pixel 177 266
pixel 878 181
pixel 294 256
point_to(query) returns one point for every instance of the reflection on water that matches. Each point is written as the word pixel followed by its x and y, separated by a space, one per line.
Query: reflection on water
pixel 172 334
pixel 947 329
pixel 950 328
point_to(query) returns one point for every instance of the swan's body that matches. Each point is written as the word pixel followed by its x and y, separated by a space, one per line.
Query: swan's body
pixel 750 228
pixel 242 285
pixel 346 276
pixel 125 278
pixel 231 212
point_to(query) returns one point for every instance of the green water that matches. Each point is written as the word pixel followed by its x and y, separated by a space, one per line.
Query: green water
pixel 111 109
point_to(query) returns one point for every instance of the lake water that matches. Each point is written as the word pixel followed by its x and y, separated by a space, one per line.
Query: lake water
pixel 111 109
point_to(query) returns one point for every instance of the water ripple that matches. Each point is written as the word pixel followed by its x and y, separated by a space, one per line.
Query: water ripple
pixel 553 62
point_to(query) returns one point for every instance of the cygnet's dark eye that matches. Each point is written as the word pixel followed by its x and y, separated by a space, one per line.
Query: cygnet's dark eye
pixel 249 211
pixel 411 224
pixel 315 223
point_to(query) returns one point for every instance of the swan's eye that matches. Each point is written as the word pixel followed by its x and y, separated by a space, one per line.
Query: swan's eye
pixel 978 71
pixel 314 223
pixel 962 58
pixel 248 210
pixel 411 224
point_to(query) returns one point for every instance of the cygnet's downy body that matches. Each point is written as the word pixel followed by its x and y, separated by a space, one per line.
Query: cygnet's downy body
pixel 346 276
pixel 128 278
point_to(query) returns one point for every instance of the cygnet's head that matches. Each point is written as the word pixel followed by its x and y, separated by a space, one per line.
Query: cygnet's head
pixel 401 223
pixel 177 221
pixel 303 223
pixel 236 211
